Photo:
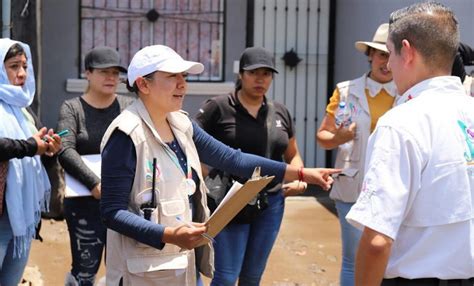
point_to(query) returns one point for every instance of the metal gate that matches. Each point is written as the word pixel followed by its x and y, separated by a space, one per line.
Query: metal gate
pixel 297 31
pixel 195 29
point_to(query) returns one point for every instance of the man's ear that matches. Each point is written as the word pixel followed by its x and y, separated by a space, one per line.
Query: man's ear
pixel 407 52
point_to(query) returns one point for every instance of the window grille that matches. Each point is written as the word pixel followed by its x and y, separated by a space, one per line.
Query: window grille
pixel 193 28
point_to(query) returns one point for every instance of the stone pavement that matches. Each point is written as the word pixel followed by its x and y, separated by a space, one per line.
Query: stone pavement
pixel 307 251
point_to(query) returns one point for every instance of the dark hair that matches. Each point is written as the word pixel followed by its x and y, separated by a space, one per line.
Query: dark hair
pixel 464 57
pixel 134 88
pixel 431 28
pixel 458 68
pixel 238 84
pixel 15 50
pixel 466 53
pixel 367 51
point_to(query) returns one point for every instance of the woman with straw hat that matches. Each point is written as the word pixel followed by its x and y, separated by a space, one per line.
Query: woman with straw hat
pixel 367 98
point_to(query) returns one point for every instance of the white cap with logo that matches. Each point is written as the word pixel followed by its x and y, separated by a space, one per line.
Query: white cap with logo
pixel 159 58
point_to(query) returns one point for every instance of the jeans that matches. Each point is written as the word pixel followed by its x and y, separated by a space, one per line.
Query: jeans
pixel 350 237
pixel 242 250
pixel 11 269
pixel 87 235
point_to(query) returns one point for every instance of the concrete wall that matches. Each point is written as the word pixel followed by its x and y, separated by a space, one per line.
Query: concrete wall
pixel 358 19
pixel 60 52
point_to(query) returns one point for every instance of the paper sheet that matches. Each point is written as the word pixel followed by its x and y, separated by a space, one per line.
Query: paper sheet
pixel 235 188
pixel 74 188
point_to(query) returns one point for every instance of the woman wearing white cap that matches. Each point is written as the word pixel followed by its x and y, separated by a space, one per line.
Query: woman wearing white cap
pixel 153 145
pixel 367 98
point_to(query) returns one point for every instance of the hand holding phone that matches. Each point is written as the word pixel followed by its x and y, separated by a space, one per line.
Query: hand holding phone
pixel 61 134
pixel 47 142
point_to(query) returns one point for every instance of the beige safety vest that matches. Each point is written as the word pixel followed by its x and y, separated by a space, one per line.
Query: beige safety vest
pixel 140 264
pixel 351 156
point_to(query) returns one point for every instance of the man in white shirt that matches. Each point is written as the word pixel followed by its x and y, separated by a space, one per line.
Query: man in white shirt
pixel 417 200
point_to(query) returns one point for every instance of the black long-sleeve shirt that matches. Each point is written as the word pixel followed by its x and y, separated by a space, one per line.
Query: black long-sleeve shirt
pixel 17 148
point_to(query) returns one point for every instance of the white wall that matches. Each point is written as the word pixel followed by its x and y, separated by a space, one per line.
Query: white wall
pixel 358 20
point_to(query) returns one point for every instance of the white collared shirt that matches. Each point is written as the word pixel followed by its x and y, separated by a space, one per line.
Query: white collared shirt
pixel 375 87
pixel 419 183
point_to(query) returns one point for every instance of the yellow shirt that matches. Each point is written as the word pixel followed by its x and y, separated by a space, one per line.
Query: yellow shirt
pixel 378 105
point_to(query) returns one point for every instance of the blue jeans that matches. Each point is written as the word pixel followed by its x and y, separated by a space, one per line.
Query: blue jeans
pixel 242 250
pixel 87 235
pixel 11 269
pixel 350 237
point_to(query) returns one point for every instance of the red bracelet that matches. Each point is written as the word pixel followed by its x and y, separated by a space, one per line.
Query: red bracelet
pixel 301 174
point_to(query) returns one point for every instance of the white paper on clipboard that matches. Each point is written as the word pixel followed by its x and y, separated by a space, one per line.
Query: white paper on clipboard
pixel 74 188
pixel 235 200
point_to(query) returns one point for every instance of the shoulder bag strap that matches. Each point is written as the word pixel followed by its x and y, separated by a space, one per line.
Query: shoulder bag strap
pixel 270 126
pixel 271 134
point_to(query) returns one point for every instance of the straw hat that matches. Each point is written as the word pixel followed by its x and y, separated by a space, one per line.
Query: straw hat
pixel 378 42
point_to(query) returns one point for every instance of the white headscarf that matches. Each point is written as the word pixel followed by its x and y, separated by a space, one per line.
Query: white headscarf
pixel 28 187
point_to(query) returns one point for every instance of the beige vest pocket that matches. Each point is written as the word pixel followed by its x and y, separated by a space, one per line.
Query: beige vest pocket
pixel 157 263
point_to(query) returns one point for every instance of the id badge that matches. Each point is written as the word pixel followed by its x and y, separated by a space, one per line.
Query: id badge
pixel 189 186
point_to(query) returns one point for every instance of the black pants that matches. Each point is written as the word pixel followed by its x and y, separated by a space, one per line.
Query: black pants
pixel 427 282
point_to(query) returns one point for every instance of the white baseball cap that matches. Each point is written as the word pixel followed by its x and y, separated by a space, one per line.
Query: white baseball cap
pixel 159 58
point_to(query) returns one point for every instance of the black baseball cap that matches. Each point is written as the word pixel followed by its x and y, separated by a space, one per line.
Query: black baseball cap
pixel 103 57
pixel 256 57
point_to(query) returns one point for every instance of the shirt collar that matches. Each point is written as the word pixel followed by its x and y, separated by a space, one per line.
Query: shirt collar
pixel 234 100
pixel 374 87
pixel 440 83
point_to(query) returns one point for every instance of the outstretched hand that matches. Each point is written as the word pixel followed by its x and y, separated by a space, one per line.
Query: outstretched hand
pixel 320 176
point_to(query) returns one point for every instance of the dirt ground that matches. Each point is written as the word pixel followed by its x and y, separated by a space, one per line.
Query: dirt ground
pixel 307 251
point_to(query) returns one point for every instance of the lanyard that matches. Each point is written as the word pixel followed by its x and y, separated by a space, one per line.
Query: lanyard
pixel 175 160
pixel 188 184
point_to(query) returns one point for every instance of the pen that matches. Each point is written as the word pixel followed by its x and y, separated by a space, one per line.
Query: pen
pixel 61 133
pixel 192 226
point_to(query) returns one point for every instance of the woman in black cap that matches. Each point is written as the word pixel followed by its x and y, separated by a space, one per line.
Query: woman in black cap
pixel 248 120
pixel 87 117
